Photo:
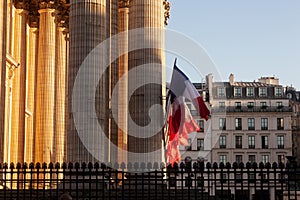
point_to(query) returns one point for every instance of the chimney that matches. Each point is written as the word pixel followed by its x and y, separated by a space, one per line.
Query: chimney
pixel 231 79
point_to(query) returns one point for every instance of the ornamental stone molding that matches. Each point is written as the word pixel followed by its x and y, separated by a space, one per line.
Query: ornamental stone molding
pixel 123 3
pixel 167 11
pixel 62 15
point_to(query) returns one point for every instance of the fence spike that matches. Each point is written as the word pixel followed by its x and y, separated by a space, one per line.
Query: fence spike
pixel 57 165
pixel 77 165
pixel 90 165
pixel 64 165
pixel 123 166
pixel 50 166
pixel 25 165
pixel 19 166
pixel 274 165
pixel 83 165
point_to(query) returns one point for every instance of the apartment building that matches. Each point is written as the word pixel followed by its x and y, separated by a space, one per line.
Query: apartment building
pixel 250 122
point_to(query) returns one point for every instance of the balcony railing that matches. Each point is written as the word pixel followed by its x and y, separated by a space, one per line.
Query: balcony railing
pixel 252 109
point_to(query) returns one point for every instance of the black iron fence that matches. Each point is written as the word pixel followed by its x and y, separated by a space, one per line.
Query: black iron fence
pixel 187 180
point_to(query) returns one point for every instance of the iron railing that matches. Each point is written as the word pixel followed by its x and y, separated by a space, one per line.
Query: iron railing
pixel 196 180
pixel 252 109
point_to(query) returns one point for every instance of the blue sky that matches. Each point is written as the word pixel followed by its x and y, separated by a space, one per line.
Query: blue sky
pixel 247 38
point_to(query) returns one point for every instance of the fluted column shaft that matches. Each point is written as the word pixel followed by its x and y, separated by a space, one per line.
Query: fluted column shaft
pixel 30 101
pixel 45 97
pixel 89 25
pixel 19 87
pixel 2 74
pixel 143 14
pixel 123 17
pixel 60 95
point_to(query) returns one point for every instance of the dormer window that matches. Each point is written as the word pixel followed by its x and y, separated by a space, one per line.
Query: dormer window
pixel 221 92
pixel 237 91
pixel 250 91
pixel 263 92
pixel 278 92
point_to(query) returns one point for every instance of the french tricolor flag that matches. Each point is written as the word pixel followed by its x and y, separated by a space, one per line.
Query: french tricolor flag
pixel 182 86
pixel 180 120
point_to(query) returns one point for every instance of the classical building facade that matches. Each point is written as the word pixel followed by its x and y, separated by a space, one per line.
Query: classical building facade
pixel 43 44
pixel 250 122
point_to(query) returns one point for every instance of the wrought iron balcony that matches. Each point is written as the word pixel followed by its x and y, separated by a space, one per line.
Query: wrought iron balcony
pixel 251 109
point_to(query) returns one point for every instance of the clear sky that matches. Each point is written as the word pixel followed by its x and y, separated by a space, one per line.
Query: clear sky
pixel 247 38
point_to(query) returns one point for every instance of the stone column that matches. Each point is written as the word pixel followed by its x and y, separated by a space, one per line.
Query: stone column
pixel 45 93
pixel 2 73
pixel 88 27
pixel 19 85
pixel 143 14
pixel 33 37
pixel 123 16
pixel 60 94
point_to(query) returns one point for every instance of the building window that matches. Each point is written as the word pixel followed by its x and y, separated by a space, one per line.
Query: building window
pixel 251 142
pixel 251 158
pixel 238 142
pixel 201 125
pixel 200 144
pixel 221 92
pixel 222 142
pixel 238 123
pixel 223 159
pixel 250 92
pixel 278 91
pixel 222 124
pixel 281 159
pixel 237 91
pixel 263 105
pixel 280 142
pixel 238 159
pixel 222 104
pixel 250 104
pixel 279 104
pixel 265 158
pixel 262 92
pixel 280 124
pixel 189 147
pixel 264 123
pixel 251 124
pixel 238 105
pixel 264 142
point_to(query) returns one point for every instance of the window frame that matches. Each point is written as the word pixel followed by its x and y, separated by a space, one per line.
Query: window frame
pixel 251 123
pixel 250 91
pixel 238 123
pixel 238 142
pixel 222 123
pixel 221 92
pixel 222 142
pixel 200 144
pixel 280 123
pixel 280 141
pixel 237 91
pixel 278 92
pixel 264 123
pixel 262 92
pixel 265 142
pixel 251 141
pixel 265 158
